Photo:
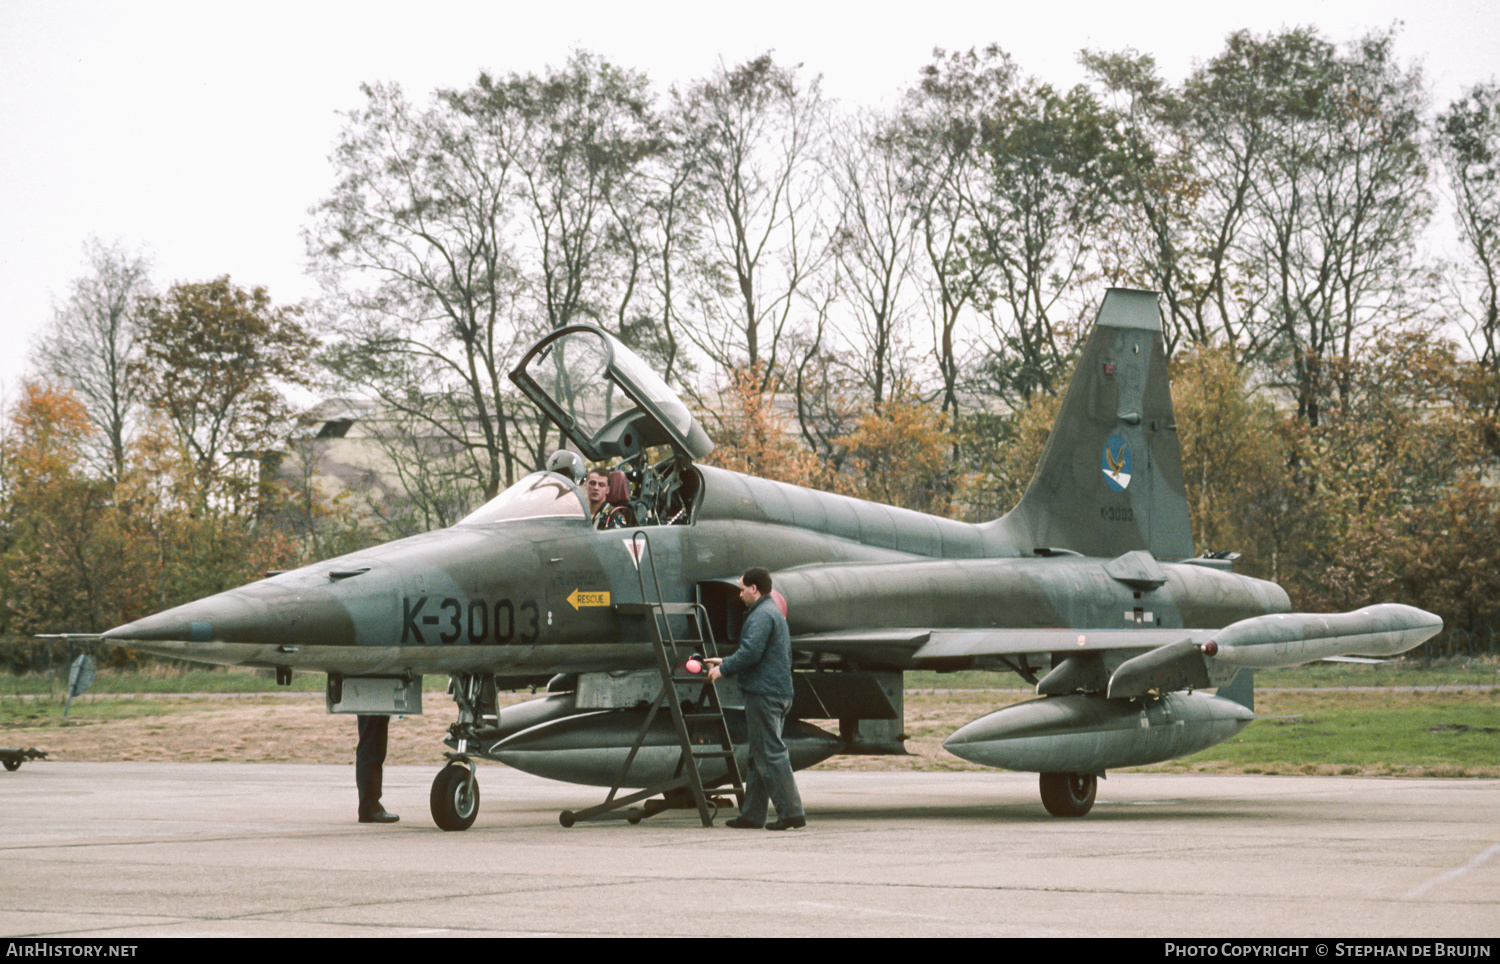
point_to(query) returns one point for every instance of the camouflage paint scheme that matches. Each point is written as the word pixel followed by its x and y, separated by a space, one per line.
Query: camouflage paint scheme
pixel 1091 572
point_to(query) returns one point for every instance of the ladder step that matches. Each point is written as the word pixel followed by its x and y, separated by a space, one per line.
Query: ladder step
pixel 694 722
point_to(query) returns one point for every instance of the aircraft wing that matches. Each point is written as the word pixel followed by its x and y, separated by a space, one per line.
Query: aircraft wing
pixel 918 646
pixel 1169 658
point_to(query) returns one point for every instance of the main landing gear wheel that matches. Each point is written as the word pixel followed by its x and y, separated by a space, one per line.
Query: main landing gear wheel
pixel 1069 794
pixel 12 764
pixel 455 798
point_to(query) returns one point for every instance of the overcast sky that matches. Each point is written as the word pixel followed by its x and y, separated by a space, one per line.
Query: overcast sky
pixel 199 133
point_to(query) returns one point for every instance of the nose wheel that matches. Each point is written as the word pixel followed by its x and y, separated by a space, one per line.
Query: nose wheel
pixel 455 797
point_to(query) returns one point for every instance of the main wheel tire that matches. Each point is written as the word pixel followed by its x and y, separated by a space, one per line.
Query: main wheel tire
pixel 12 764
pixel 455 801
pixel 1069 794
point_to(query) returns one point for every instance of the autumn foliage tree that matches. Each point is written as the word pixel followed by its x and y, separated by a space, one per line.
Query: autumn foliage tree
pixel 1234 461
pixel 901 454
pixel 83 552
pixel 1394 447
pixel 214 360
pixel 752 435
pixel 61 553
pixel 1446 559
pixel 182 513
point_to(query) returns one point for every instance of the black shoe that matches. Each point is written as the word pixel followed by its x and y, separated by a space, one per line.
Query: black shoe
pixel 378 815
pixel 788 823
pixel 740 823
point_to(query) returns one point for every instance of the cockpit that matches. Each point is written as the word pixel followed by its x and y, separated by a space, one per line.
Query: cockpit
pixel 651 495
pixel 609 403
pixel 540 495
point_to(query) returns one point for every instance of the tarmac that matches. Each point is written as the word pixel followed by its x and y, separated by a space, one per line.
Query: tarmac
pixel 128 850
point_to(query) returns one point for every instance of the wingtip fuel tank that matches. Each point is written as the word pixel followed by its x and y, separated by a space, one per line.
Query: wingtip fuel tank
pixel 1273 641
pixel 1290 639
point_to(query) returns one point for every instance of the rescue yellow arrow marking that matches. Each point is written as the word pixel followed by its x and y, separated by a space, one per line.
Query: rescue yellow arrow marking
pixel 578 599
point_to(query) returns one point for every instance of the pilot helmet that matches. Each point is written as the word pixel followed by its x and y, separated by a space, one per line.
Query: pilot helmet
pixel 567 463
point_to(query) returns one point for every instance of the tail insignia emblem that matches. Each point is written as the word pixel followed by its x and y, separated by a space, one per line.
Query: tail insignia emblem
pixel 1116 463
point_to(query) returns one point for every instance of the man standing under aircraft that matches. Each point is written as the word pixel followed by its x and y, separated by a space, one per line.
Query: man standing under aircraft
pixel 763 664
pixel 369 768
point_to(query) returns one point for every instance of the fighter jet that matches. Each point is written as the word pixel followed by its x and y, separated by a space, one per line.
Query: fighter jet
pixel 1088 589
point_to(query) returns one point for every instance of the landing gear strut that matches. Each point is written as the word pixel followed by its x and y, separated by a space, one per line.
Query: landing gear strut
pixel 12 757
pixel 455 790
pixel 1069 794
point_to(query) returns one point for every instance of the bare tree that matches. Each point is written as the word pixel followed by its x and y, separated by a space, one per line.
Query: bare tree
pixel 752 140
pixel 1154 239
pixel 939 135
pixel 1232 109
pixel 580 141
pixel 415 249
pixel 458 233
pixel 1469 144
pixel 875 247
pixel 1051 168
pixel 1337 208
pixel 92 344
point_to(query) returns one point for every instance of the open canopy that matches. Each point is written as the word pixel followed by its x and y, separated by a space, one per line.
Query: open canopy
pixel 604 398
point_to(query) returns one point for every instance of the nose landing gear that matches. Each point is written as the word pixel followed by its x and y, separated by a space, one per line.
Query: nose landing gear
pixel 455 795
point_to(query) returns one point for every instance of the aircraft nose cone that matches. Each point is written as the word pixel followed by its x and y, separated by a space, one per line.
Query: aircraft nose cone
pixel 259 613
pixel 216 618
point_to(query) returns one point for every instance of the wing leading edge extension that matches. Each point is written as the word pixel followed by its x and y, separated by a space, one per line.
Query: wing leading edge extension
pixel 531 660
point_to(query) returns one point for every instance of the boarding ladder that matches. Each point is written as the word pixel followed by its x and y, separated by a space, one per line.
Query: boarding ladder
pixel 702 732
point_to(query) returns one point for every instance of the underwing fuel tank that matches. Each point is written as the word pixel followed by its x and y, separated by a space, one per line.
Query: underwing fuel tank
pixel 589 748
pixel 1079 733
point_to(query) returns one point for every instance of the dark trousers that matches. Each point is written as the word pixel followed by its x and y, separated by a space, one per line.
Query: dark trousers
pixel 770 778
pixel 369 761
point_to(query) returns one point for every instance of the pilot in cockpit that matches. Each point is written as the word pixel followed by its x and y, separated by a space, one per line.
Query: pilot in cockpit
pixel 609 499
pixel 596 487
pixel 566 463
pixel 596 484
pixel 611 504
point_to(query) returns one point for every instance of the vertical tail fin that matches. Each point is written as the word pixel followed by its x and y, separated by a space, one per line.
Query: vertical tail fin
pixel 1110 478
